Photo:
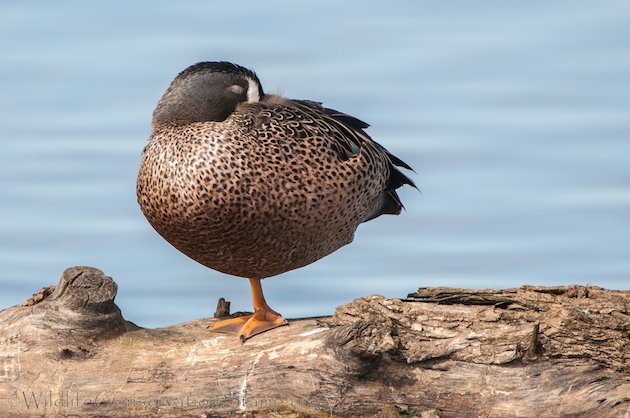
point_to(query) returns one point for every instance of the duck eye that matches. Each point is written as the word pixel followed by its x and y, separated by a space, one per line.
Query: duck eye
pixel 236 89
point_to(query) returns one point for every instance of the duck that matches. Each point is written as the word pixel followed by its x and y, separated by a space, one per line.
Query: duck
pixel 254 185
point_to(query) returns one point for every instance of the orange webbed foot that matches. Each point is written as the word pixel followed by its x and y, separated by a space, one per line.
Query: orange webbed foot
pixel 247 326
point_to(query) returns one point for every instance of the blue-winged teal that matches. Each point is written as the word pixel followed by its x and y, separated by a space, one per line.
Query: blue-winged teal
pixel 254 185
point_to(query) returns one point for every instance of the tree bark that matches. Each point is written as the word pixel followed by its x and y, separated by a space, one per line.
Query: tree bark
pixel 441 352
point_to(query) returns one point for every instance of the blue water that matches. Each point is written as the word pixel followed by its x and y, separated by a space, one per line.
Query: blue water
pixel 515 115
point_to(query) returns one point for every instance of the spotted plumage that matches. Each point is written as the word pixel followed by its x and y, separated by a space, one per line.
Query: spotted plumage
pixel 255 185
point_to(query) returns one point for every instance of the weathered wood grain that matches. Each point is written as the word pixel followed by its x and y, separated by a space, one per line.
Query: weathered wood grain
pixel 529 352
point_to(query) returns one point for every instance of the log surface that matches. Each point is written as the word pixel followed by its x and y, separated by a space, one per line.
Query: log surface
pixel 441 352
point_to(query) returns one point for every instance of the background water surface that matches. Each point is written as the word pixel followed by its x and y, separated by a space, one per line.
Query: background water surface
pixel 516 116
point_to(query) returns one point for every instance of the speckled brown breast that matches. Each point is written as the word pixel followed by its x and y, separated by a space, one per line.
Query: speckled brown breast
pixel 264 192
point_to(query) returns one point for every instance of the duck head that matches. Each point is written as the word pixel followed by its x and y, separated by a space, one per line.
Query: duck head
pixel 207 91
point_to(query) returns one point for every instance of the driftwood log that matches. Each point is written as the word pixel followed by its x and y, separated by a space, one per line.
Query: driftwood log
pixel 441 352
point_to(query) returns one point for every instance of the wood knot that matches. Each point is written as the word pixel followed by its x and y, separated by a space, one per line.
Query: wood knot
pixel 85 289
pixel 223 308
pixel 363 339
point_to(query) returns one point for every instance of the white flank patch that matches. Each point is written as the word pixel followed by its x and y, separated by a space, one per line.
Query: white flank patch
pixel 253 95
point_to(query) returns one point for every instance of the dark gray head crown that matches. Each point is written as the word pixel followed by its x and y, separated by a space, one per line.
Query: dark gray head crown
pixel 200 93
pixel 221 67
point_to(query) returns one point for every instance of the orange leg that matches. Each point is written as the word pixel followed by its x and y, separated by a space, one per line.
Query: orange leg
pixel 263 319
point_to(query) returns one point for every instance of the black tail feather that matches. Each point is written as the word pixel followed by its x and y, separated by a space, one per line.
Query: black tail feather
pixel 398 179
pixel 390 205
pixel 400 163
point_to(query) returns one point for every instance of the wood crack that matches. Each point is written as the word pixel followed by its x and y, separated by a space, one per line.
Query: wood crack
pixel 534 350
